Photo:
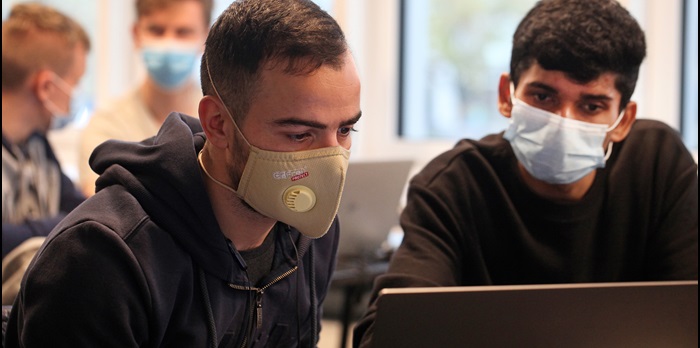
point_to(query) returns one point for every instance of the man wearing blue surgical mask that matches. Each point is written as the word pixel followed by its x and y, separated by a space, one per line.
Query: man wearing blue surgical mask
pixel 574 190
pixel 43 58
pixel 169 38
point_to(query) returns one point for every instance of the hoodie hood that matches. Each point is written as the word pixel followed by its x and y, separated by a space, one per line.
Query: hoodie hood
pixel 163 174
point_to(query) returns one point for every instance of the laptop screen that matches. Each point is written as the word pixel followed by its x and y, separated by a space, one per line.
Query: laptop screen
pixel 369 207
pixel 642 314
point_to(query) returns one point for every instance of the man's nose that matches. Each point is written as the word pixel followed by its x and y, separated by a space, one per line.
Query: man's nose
pixel 567 111
pixel 329 139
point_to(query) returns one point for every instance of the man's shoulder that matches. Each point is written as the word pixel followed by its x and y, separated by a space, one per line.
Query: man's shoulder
pixel 125 114
pixel 650 125
pixel 654 135
pixel 130 101
pixel 112 210
pixel 468 155
pixel 653 146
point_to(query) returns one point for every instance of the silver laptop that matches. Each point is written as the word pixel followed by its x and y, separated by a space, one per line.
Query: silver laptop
pixel 369 207
pixel 642 314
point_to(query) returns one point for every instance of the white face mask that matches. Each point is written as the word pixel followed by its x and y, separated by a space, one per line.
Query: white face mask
pixel 60 119
pixel 553 148
pixel 301 189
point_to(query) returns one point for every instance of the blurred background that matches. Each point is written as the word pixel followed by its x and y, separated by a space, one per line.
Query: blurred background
pixel 429 71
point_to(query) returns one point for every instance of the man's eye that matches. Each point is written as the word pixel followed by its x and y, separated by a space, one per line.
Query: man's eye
pixel 592 107
pixel 299 137
pixel 541 97
pixel 156 30
pixel 346 130
pixel 184 32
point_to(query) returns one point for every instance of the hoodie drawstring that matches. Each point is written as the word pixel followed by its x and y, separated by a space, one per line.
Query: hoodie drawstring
pixel 312 283
pixel 306 244
pixel 211 326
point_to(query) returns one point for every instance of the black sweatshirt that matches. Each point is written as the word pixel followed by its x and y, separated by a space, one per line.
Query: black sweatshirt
pixel 471 220
pixel 143 263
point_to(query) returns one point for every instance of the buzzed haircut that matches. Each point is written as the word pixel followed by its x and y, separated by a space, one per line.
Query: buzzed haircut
pixel 35 37
pixel 251 34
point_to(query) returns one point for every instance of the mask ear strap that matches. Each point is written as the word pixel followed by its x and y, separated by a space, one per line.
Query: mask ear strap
pixel 617 122
pixel 201 165
pixel 238 129
pixel 609 151
pixel 610 129
pixel 62 84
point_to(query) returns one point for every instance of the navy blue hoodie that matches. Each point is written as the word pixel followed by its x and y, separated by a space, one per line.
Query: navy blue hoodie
pixel 143 263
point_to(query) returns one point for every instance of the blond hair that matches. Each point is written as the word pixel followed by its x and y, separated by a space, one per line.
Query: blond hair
pixel 146 7
pixel 36 37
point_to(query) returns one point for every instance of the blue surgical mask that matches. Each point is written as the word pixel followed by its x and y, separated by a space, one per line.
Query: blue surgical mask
pixel 169 64
pixel 553 148
pixel 60 119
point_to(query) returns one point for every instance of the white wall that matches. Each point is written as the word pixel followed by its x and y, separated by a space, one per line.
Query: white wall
pixel 372 28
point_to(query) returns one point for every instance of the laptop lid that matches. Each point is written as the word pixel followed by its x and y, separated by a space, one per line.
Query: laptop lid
pixel 642 314
pixel 369 207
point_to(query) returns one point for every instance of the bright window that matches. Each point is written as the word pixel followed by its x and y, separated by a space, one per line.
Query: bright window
pixel 689 106
pixel 452 54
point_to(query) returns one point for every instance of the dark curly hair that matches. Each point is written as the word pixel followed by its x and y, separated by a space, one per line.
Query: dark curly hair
pixel 582 38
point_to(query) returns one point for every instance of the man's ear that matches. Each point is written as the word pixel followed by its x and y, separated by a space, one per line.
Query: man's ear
pixel 212 117
pixel 505 105
pixel 42 84
pixel 623 129
pixel 135 35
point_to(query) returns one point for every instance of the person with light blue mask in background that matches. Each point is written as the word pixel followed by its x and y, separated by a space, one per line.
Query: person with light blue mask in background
pixel 169 35
pixel 44 56
pixel 575 190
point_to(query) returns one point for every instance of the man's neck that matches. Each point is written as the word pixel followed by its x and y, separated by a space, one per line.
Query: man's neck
pixel 245 227
pixel 18 117
pixel 162 102
pixel 558 192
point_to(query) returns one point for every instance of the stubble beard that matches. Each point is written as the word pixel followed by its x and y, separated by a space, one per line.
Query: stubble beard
pixel 236 168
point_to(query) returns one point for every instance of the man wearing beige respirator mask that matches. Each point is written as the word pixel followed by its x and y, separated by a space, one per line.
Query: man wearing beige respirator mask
pixel 220 231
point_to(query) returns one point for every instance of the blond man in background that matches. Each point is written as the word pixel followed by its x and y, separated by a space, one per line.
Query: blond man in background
pixel 169 35
pixel 43 58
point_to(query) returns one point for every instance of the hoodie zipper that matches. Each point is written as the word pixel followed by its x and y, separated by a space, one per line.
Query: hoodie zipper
pixel 256 313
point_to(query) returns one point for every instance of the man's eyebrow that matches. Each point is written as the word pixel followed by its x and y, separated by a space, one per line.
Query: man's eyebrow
pixel 293 121
pixel 543 86
pixel 548 88
pixel 353 120
pixel 597 97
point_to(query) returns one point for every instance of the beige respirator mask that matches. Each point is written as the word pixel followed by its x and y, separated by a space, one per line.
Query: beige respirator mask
pixel 301 189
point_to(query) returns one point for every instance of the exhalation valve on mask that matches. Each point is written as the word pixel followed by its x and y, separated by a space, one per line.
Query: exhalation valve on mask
pixel 299 198
pixel 301 188
pixel 316 177
pixel 310 207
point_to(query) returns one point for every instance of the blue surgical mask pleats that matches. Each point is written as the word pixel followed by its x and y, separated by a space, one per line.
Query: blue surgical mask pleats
pixel 169 65
pixel 553 148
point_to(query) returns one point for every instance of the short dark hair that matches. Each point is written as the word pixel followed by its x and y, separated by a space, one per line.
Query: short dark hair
pixel 253 33
pixel 584 39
